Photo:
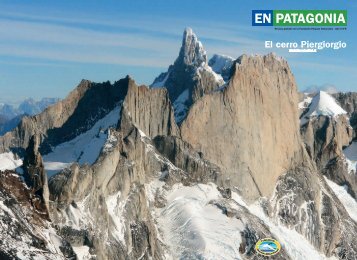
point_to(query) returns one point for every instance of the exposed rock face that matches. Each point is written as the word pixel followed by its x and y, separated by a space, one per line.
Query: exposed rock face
pixel 183 156
pixel 234 172
pixel 326 134
pixel 304 202
pixel 25 231
pixel 337 171
pixel 123 227
pixel 150 110
pixel 325 137
pixel 348 101
pixel 243 128
pixel 190 77
pixel 68 118
pixel 34 171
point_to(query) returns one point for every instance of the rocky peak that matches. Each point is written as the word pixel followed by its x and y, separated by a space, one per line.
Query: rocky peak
pixel 34 170
pixel 190 77
pixel 33 160
pixel 348 102
pixel 192 52
pixel 325 137
pixel 149 110
pixel 68 118
pixel 253 148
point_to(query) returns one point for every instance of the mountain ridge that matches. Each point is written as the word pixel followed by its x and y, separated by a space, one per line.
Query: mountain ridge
pixel 236 167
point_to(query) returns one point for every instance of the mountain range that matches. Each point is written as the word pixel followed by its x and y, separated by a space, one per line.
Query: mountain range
pixel 10 115
pixel 211 157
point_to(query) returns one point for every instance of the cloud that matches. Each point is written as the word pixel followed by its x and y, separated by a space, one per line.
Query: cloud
pixel 31 39
pixel 141 41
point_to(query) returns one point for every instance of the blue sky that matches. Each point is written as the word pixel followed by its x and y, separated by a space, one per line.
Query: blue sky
pixel 47 47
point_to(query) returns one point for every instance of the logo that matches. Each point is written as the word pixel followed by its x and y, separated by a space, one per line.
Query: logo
pixel 299 17
pixel 267 246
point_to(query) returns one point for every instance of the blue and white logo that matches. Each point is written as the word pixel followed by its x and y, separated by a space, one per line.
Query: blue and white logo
pixel 267 246
pixel 262 17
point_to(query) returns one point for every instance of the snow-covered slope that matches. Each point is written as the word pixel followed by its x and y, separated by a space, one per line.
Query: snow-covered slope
pixel 322 104
pixel 196 229
pixel 9 162
pixel 306 102
pixel 85 148
pixel 180 106
pixel 346 199
pixel 221 64
pixel 161 80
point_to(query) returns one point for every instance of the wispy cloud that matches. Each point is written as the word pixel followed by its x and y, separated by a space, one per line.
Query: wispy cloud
pixel 140 41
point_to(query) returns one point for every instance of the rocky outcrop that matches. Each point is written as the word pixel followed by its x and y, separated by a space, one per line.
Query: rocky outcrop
pixel 77 113
pixel 25 230
pixel 325 137
pixel 149 110
pixel 337 171
pixel 123 226
pixel 190 77
pixel 326 132
pixel 348 102
pixel 183 156
pixel 243 127
pixel 304 202
pixel 34 172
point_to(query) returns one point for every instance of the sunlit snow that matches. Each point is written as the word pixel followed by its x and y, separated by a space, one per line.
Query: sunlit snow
pixel 82 252
pixel 305 103
pixel 195 229
pixel 323 104
pixel 345 198
pixel 9 162
pixel 85 148
pixel 180 105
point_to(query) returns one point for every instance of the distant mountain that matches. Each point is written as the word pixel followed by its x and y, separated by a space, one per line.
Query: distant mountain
pixel 328 88
pixel 7 125
pixel 10 116
pixel 8 111
pixel 32 107
pixel 28 106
